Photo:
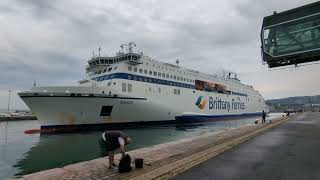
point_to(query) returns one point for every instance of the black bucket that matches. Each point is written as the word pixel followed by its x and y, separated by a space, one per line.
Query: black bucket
pixel 138 163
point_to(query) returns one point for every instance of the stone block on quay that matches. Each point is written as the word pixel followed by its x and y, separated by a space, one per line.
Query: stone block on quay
pixel 55 173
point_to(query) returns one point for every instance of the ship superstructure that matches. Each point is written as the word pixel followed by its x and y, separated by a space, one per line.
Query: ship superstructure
pixel 133 89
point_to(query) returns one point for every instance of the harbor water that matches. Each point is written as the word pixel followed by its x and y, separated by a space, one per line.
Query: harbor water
pixel 22 153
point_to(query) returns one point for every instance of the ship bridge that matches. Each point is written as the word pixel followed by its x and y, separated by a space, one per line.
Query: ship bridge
pixel 291 37
pixel 100 64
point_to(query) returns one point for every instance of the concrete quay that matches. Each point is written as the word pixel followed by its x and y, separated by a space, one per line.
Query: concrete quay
pixel 290 151
pixel 164 160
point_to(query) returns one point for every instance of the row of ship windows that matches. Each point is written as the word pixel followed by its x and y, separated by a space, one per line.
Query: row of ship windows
pixel 158 81
pixel 179 78
pixel 154 73
pixel 180 72
pixel 135 58
pixel 145 71
pixel 128 88
pixel 159 74
pixel 142 79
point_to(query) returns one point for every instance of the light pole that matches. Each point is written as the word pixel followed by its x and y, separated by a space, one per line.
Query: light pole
pixel 9 101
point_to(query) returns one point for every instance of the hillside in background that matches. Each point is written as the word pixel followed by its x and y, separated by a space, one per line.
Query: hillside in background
pixel 298 100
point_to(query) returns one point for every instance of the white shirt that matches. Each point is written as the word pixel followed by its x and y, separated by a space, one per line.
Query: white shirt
pixel 121 141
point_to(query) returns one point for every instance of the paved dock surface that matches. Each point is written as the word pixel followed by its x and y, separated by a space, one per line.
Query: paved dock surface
pixel 290 151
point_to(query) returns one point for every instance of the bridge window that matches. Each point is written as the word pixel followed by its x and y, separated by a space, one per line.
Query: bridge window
pixel 135 69
pixel 150 72
pixel 146 71
pixel 140 70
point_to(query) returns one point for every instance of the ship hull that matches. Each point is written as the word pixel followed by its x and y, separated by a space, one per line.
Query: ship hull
pixel 69 112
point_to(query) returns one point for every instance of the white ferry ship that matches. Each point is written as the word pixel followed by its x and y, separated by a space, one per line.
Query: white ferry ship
pixel 131 89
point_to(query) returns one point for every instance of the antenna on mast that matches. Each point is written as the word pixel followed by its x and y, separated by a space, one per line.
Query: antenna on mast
pixel 177 62
pixel 131 45
pixel 92 54
pixel 122 47
pixel 9 100
pixel 99 49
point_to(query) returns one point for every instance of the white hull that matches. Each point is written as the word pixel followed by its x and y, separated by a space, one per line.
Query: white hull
pixel 67 110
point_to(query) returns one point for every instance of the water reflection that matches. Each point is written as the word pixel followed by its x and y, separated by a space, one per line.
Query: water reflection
pixel 59 150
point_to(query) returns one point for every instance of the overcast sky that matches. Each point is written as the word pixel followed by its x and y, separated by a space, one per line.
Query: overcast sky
pixel 50 41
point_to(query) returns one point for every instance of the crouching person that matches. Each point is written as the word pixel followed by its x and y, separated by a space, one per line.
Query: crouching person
pixel 112 141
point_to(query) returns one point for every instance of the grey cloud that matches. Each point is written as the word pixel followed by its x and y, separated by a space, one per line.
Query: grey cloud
pixel 251 9
pixel 54 68
pixel 39 8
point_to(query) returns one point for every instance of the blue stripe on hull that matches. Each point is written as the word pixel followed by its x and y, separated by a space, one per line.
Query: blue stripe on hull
pixel 208 118
pixel 141 124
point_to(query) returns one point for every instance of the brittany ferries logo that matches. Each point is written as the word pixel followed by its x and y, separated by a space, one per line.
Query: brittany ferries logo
pixel 201 102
